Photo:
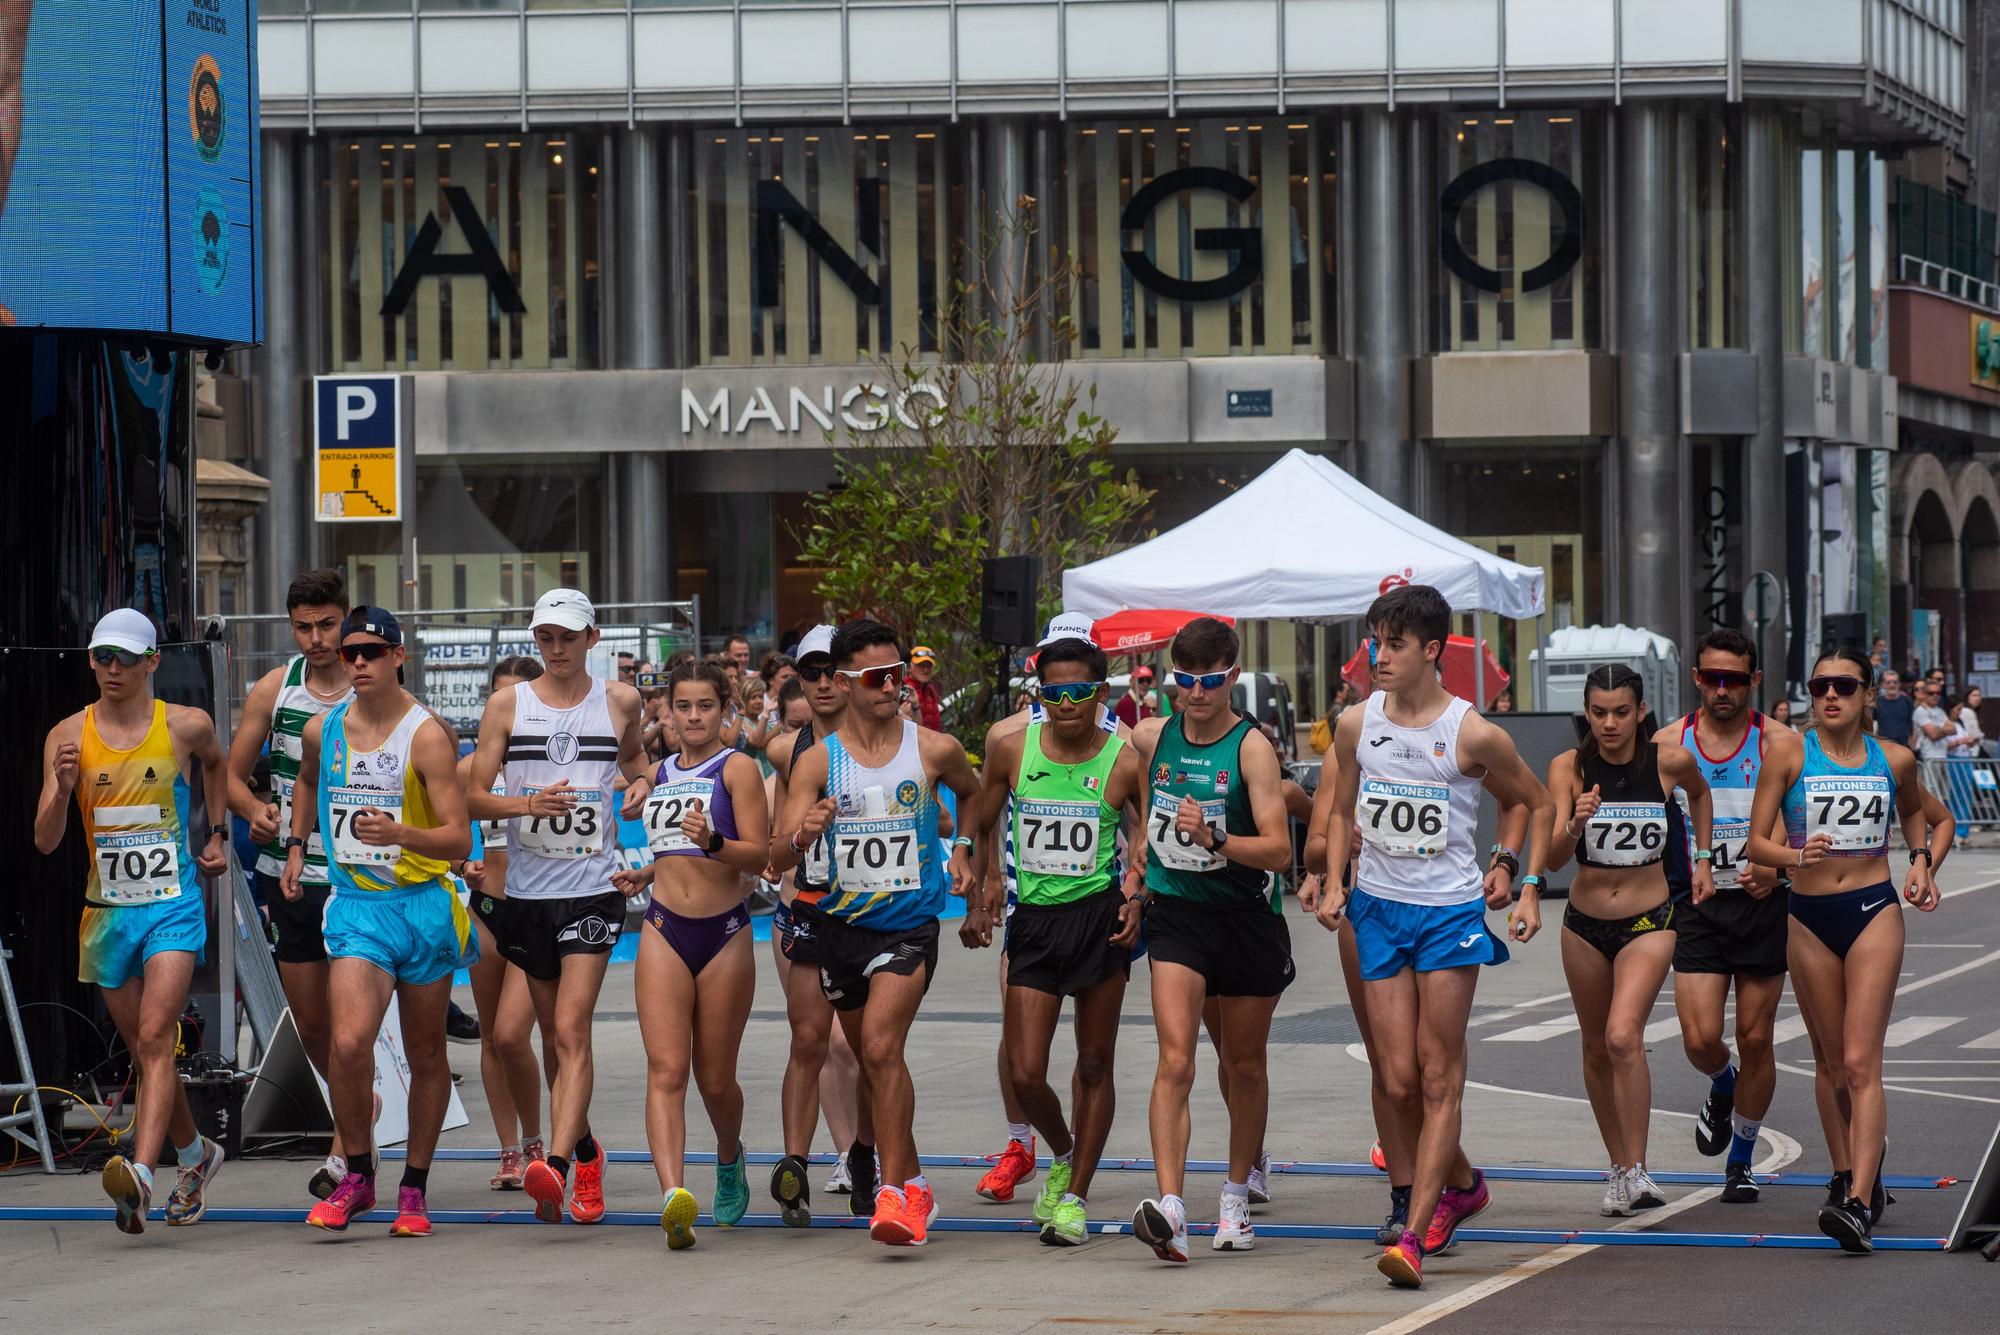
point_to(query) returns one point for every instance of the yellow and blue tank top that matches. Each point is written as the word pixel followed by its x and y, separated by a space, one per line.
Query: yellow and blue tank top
pixel 887 872
pixel 383 779
pixel 135 813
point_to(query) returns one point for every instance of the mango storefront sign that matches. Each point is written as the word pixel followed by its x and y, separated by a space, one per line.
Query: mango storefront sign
pixel 745 405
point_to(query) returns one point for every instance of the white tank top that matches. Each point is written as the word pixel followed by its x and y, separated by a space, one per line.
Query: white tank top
pixel 575 853
pixel 1418 813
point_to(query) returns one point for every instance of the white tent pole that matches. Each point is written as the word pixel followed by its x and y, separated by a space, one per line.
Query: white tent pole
pixel 1478 665
pixel 1541 661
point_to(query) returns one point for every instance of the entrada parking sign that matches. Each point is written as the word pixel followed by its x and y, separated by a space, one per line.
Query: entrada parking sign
pixel 358 437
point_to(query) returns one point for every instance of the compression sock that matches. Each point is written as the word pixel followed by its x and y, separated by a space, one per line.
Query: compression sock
pixel 1743 1145
pixel 561 1165
pixel 189 1156
pixel 1724 1081
pixel 364 1164
pixel 417 1178
pixel 586 1148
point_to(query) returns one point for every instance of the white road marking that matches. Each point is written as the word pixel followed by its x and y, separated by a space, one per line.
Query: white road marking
pixel 1789 1028
pixel 1537 1033
pixel 1517 1010
pixel 1668 1027
pixel 1807 1072
pixel 1991 1040
pixel 1969 889
pixel 1952 972
pixel 1944 945
pixel 1913 1027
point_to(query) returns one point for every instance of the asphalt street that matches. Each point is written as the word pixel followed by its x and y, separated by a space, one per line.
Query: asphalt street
pixel 1524 1109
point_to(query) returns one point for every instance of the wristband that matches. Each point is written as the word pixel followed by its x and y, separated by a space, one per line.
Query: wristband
pixel 1536 880
pixel 1704 855
pixel 798 847
pixel 962 841
pixel 1925 854
pixel 1499 849
pixel 1505 858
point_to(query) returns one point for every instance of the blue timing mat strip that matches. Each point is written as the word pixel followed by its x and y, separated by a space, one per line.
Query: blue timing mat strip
pixel 959 1224
pixel 1894 1182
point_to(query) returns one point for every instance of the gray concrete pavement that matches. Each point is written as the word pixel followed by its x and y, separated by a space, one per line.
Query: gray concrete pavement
pixel 1524 1109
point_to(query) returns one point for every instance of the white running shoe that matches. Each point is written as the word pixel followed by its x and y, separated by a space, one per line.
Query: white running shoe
pixel 1233 1232
pixel 1617 1194
pixel 839 1182
pixel 1646 1193
pixel 1260 1181
pixel 1162 1225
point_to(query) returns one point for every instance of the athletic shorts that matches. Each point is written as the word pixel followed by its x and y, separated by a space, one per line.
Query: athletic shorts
pixel 1239 949
pixel 416 936
pixel 1608 936
pixel 535 934
pixel 1066 949
pixel 696 940
pixel 1391 936
pixel 850 956
pixel 794 936
pixel 1734 933
pixel 295 925
pixel 114 941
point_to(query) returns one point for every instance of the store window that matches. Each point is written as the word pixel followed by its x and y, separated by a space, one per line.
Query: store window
pixel 830 244
pixel 521 210
pixel 1711 230
pixel 1199 237
pixel 1520 220
pixel 492 535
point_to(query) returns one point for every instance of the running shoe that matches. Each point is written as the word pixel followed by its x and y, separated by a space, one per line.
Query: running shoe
pixel 1878 1197
pixel 1260 1180
pixel 1617 1194
pixel 1054 1187
pixel 1848 1225
pixel 920 1211
pixel 1398 1218
pixel 1068 1226
pixel 1646 1193
pixel 1739 1186
pixel 863 1178
pixel 792 1190
pixel 732 1190
pixel 413 1215
pixel 838 1183
pixel 129 1190
pixel 1015 1166
pixel 890 1223
pixel 354 1197
pixel 1712 1129
pixel 1454 1207
pixel 586 1203
pixel 460 1027
pixel 1404 1262
pixel 1379 1160
pixel 1233 1232
pixel 533 1150
pixel 327 1178
pixel 677 1216
pixel 1162 1225
pixel 546 1188
pixel 189 1201
pixel 508 1178
pixel 1837 1185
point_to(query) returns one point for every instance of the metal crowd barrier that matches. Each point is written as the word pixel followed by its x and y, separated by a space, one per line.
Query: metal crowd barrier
pixel 1969 787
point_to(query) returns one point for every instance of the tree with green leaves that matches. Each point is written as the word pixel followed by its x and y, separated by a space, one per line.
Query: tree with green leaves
pixel 991 449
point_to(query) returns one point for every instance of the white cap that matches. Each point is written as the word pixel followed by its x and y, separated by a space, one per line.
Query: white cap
pixel 1067 626
pixel 125 628
pixel 567 608
pixel 818 640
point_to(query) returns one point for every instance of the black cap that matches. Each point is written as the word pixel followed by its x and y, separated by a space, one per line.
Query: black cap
pixel 375 621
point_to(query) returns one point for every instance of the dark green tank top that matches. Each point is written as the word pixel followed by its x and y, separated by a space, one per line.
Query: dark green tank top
pixel 1213 776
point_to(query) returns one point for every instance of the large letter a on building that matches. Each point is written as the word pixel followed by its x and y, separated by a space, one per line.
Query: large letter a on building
pixel 483 261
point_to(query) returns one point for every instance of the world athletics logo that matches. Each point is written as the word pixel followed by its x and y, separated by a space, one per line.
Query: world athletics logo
pixel 205 109
pixel 211 240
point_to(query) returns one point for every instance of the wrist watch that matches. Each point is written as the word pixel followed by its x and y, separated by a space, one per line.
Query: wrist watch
pixel 1704 855
pixel 214 830
pixel 1218 837
pixel 1923 853
pixel 714 844
pixel 292 841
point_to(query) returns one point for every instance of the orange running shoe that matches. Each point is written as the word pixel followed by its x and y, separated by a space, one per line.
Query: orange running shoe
pixel 891 1223
pixel 1015 1166
pixel 413 1215
pixel 586 1203
pixel 546 1188
pixel 1378 1159
pixel 920 1211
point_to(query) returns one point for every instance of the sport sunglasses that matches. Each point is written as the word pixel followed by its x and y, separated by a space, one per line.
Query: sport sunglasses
pixel 1208 681
pixel 1722 679
pixel 816 672
pixel 122 657
pixel 364 652
pixel 1073 692
pixel 1842 686
pixel 875 678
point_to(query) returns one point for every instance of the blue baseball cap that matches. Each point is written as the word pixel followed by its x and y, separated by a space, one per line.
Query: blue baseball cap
pixel 376 621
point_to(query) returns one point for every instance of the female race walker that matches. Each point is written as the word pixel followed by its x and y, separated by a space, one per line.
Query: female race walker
pixel 1839 789
pixel 1614 808
pixel 707 824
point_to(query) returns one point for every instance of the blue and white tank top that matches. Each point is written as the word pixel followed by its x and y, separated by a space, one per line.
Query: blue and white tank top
pixel 1854 805
pixel 888 875
pixel 1732 787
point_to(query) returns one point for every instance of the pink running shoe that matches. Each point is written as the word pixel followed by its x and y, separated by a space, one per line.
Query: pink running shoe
pixel 1454 1208
pixel 354 1197
pixel 511 1168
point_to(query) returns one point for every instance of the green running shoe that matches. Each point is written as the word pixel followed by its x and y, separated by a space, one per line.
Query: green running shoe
pixel 732 1190
pixel 1068 1228
pixel 1054 1187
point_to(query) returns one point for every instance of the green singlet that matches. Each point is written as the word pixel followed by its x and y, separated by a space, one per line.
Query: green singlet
pixel 1065 833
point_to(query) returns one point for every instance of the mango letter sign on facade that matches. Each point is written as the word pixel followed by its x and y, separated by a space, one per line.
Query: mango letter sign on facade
pixel 358 443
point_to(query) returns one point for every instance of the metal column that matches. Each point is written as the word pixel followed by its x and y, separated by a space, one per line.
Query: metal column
pixel 641 547
pixel 1006 181
pixel 1649 440
pixel 1766 535
pixel 284 530
pixel 1381 350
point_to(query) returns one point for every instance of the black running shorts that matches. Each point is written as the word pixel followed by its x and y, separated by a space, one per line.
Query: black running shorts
pixel 535 934
pixel 1734 933
pixel 1066 948
pixel 1240 950
pixel 850 956
pixel 295 924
